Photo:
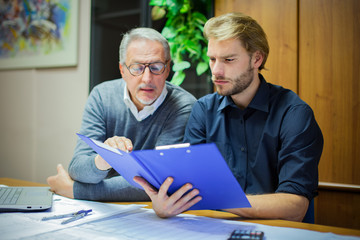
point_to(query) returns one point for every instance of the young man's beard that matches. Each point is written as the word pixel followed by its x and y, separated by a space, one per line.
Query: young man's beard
pixel 240 83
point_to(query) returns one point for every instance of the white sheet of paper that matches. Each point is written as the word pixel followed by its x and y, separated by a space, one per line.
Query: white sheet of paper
pixel 144 224
pixel 17 225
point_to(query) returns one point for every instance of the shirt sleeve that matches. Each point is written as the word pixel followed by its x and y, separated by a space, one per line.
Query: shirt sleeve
pixel 299 156
pixel 195 131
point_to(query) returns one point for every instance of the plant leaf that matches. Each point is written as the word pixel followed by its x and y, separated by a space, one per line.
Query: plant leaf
pixel 157 13
pixel 193 47
pixel 168 33
pixel 199 17
pixel 174 6
pixel 178 78
pixel 185 8
pixel 184 32
pixel 201 68
pixel 179 66
pixel 204 55
pixel 157 3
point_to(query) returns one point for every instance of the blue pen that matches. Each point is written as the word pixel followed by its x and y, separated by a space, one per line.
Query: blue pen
pixel 72 216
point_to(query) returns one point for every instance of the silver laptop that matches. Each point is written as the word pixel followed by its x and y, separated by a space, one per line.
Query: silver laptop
pixel 25 198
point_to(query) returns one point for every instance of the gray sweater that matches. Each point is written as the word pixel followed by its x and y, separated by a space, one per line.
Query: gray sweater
pixel 105 116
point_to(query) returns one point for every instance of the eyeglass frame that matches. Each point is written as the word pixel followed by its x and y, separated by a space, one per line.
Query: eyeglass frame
pixel 146 66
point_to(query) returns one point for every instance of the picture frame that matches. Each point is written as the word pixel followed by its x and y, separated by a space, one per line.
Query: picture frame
pixel 38 34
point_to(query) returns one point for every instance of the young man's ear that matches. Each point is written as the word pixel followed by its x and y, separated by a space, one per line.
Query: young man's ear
pixel 258 58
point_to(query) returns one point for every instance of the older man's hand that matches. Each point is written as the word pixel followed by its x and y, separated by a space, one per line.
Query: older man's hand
pixel 61 183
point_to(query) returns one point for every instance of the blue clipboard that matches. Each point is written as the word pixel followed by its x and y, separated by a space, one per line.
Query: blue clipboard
pixel 201 165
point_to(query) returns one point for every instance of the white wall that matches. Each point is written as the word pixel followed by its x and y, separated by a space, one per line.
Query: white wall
pixel 41 110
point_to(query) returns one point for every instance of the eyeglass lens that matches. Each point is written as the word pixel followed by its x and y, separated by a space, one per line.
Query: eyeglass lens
pixel 139 68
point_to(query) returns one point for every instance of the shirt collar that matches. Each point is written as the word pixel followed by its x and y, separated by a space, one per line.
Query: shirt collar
pixel 261 98
pixel 147 110
pixel 259 102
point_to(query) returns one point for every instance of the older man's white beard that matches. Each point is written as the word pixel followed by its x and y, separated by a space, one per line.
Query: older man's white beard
pixel 149 101
pixel 144 102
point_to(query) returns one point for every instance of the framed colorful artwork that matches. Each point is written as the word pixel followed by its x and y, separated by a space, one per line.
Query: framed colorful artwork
pixel 38 33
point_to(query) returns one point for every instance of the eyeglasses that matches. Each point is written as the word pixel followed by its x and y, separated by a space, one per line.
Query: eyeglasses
pixel 137 69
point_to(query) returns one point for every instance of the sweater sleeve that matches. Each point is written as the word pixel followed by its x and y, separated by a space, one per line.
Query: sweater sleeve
pixel 111 189
pixel 82 167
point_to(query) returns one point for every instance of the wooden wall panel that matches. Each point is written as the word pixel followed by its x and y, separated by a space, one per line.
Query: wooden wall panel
pixel 338 209
pixel 338 205
pixel 279 21
pixel 329 75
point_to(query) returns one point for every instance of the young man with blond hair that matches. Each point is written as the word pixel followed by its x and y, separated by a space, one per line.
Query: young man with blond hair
pixel 267 135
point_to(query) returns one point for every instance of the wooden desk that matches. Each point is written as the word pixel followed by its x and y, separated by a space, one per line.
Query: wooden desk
pixel 222 215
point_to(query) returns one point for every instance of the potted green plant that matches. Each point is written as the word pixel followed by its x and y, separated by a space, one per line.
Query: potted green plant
pixel 184 31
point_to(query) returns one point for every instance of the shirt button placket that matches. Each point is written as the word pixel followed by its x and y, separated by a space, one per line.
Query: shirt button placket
pixel 243 152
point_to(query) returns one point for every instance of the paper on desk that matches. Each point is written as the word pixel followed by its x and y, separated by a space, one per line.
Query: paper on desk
pixel 144 224
pixel 17 225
